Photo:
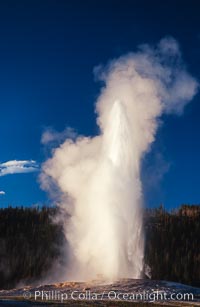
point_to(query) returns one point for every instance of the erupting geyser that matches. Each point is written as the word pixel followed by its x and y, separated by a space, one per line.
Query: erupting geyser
pixel 99 178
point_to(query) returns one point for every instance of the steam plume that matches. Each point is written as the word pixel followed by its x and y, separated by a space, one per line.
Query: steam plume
pixel 99 177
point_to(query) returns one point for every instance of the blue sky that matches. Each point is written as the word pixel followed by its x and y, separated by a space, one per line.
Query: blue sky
pixel 48 50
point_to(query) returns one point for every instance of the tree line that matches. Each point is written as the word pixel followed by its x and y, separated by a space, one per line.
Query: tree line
pixel 30 244
pixel 173 244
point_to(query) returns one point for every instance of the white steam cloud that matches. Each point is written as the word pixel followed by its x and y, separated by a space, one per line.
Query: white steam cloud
pixel 99 177
pixel 50 136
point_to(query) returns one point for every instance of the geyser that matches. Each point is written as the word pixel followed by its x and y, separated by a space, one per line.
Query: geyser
pixel 99 177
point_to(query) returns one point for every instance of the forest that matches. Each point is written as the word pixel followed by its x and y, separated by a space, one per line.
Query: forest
pixel 31 244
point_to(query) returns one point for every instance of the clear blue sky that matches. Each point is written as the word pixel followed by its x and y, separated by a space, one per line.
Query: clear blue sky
pixel 48 50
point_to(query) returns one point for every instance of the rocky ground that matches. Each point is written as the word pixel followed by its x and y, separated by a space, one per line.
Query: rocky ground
pixel 126 292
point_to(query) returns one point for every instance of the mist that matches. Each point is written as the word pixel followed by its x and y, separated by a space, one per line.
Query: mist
pixel 97 179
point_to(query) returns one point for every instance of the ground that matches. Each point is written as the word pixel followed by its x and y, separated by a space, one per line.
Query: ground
pixel 125 292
